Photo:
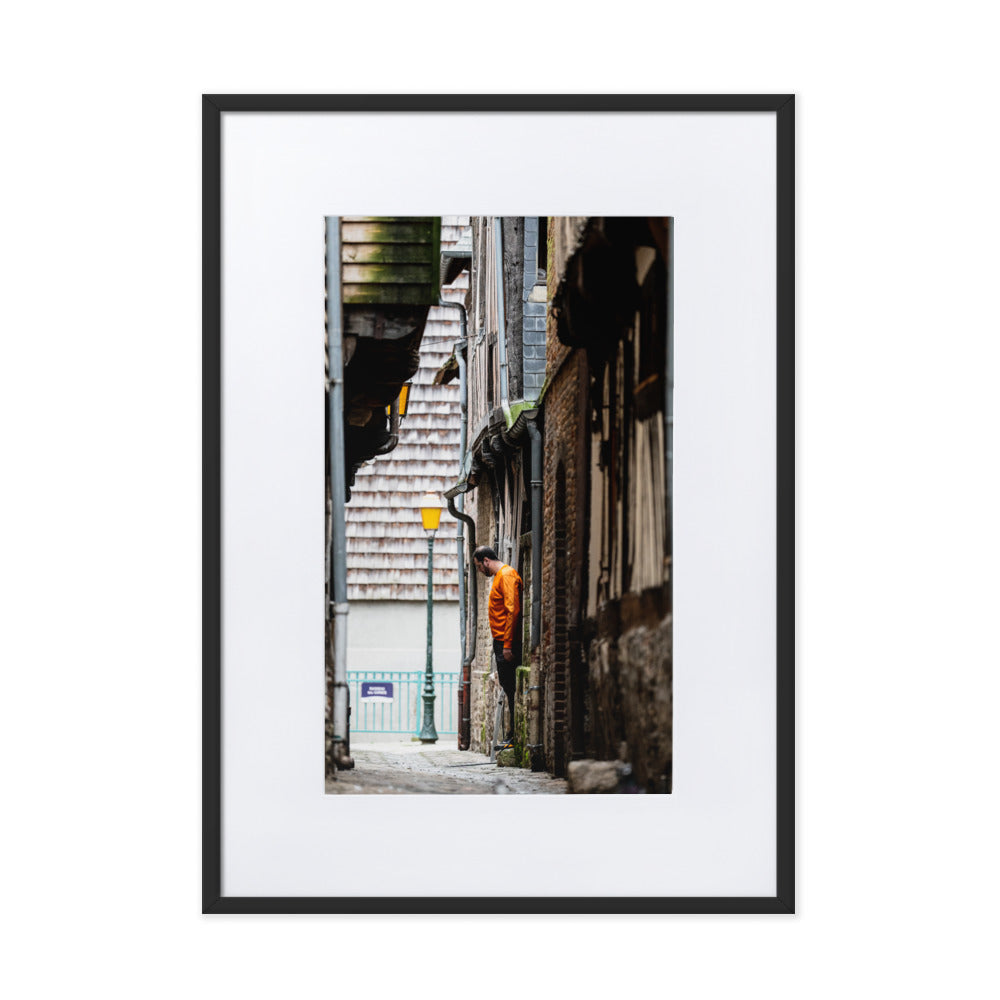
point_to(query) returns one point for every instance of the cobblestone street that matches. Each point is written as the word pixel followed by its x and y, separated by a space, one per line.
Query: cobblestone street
pixel 408 768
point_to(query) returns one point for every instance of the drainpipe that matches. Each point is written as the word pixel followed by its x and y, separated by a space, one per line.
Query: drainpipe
pixel 455 509
pixel 465 726
pixel 338 489
pixel 536 532
pixel 460 350
pixel 535 704
pixel 501 317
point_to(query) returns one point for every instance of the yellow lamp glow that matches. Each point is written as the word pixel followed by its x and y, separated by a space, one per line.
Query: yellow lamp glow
pixel 430 511
pixel 404 394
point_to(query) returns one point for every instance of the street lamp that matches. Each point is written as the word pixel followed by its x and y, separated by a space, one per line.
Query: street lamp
pixel 404 395
pixel 430 514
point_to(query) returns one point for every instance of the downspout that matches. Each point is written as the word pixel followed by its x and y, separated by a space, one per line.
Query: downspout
pixel 535 706
pixel 338 489
pixel 536 532
pixel 465 724
pixel 456 509
pixel 501 318
pixel 463 446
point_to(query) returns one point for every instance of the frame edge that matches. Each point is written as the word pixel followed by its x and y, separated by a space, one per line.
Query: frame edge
pixel 785 512
pixel 213 105
pixel 211 469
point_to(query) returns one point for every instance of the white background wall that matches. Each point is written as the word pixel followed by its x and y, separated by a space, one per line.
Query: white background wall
pixel 897 537
pixel 392 635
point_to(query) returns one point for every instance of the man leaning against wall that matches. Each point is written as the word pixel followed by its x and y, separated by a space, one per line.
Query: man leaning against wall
pixel 505 622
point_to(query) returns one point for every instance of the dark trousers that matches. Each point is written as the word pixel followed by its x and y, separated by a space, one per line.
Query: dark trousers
pixel 507 672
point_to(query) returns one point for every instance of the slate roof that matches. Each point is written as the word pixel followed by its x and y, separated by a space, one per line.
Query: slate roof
pixel 386 544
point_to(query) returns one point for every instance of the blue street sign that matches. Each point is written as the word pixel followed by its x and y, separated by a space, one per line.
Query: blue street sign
pixel 376 691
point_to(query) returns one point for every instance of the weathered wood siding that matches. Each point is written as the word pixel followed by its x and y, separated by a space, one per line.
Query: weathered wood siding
pixel 484 359
pixel 390 261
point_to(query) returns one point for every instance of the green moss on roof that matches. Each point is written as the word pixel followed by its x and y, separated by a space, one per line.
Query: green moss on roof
pixel 516 409
pixel 390 261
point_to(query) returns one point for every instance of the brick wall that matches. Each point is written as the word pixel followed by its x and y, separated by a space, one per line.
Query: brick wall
pixel 631 678
pixel 564 515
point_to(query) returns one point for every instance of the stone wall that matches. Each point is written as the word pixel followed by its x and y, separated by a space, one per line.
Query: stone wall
pixel 484 688
pixel 482 684
pixel 632 683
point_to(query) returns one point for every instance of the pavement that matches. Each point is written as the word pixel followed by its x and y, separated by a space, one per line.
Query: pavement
pixel 414 768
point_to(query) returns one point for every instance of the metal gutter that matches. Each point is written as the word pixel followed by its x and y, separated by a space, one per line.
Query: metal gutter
pixel 536 530
pixel 456 507
pixel 465 719
pixel 338 490
pixel 513 435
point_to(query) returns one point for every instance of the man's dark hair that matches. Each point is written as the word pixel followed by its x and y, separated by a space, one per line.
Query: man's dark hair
pixel 483 552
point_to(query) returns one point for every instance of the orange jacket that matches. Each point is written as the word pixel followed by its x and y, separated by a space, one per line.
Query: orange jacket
pixel 505 604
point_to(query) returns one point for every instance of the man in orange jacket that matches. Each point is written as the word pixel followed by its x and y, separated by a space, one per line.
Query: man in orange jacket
pixel 505 621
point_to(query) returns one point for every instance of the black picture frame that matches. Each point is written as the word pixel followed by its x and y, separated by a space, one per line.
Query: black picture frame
pixel 213 108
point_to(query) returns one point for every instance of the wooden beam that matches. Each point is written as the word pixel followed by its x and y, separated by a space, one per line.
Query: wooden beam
pixel 389 294
pixel 388 231
pixel 386 274
pixel 386 253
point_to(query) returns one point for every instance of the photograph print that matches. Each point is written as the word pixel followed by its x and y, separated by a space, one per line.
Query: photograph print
pixel 499 613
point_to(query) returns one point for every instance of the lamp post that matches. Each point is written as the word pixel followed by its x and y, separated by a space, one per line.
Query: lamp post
pixel 430 514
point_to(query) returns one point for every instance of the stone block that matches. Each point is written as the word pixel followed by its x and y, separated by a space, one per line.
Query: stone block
pixel 597 777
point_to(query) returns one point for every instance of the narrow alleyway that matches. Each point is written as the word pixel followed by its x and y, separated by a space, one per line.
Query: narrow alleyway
pixel 408 768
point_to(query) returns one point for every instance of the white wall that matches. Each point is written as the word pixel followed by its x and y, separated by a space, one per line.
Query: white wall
pixel 392 635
